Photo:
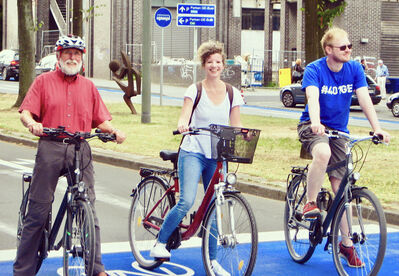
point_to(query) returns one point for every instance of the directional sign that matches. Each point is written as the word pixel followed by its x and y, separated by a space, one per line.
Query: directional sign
pixel 196 15
pixel 196 9
pixel 163 17
pixel 187 21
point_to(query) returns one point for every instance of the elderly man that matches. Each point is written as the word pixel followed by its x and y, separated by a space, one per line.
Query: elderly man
pixel 59 98
pixel 381 75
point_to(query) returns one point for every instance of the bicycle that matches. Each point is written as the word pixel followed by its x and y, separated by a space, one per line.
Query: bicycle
pixel 358 205
pixel 78 239
pixel 224 214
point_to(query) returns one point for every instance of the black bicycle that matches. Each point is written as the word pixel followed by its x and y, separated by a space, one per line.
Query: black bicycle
pixel 353 204
pixel 78 239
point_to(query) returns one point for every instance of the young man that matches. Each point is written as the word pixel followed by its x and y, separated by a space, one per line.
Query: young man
pixel 59 98
pixel 329 83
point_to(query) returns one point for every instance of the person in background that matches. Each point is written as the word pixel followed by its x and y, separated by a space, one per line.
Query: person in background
pixel 329 83
pixel 381 75
pixel 364 64
pixel 60 98
pixel 297 73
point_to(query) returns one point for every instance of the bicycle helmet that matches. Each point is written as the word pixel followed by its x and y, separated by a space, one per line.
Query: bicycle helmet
pixel 70 41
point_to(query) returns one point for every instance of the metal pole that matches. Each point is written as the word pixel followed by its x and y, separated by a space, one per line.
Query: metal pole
pixel 161 81
pixel 195 54
pixel 147 51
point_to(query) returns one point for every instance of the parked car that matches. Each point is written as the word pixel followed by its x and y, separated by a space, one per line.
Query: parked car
pixel 291 95
pixel 46 64
pixel 9 64
pixel 393 104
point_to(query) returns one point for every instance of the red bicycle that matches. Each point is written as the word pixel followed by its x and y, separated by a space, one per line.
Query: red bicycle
pixel 224 213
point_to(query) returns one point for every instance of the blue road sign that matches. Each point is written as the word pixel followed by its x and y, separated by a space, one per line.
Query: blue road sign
pixel 163 17
pixel 192 9
pixel 198 21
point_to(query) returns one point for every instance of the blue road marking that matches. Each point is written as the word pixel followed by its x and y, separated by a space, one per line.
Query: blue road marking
pixel 273 259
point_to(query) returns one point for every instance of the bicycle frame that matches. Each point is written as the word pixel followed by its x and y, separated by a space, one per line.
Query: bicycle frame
pixel 199 215
pixel 69 197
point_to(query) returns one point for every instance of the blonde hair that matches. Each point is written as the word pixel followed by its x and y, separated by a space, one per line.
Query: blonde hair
pixel 298 61
pixel 209 48
pixel 330 35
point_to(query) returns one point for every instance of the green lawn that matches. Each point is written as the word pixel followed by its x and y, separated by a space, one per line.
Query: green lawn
pixel 278 147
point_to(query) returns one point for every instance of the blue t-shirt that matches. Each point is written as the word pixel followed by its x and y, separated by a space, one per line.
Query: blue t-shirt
pixel 335 90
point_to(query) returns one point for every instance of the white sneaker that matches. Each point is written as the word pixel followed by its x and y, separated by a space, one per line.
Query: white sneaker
pixel 159 251
pixel 218 269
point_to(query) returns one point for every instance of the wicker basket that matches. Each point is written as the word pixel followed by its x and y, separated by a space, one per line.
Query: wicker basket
pixel 233 144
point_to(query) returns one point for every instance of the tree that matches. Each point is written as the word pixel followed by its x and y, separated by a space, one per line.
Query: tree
pixel 27 48
pixel 323 12
pixel 77 18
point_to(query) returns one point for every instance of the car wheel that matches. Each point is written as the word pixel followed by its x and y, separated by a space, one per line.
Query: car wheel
pixel 4 74
pixel 288 99
pixel 395 108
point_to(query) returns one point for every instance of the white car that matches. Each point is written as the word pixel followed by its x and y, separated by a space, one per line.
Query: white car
pixel 46 64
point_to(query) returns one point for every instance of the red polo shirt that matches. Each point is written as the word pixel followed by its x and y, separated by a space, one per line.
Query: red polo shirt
pixel 56 100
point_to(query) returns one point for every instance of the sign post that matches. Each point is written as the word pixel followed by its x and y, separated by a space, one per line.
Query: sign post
pixel 163 17
pixel 196 16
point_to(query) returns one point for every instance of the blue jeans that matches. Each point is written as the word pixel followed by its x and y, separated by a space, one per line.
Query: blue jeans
pixel 191 167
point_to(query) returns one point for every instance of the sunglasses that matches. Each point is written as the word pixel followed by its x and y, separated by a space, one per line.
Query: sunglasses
pixel 343 48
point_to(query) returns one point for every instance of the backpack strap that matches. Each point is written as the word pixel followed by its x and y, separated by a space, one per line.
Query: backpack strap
pixel 229 89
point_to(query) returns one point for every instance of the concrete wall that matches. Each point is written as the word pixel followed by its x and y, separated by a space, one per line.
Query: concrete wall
pixel 10 24
pixel 101 46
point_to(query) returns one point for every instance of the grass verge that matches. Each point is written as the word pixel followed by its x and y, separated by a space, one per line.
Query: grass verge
pixel 278 147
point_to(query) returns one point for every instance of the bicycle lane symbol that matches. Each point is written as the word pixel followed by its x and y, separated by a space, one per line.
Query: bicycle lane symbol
pixel 167 268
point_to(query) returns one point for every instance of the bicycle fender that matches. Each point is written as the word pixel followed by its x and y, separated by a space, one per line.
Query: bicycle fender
pixel 156 178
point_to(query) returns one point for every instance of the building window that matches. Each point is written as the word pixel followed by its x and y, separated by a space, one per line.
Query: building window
pixel 254 19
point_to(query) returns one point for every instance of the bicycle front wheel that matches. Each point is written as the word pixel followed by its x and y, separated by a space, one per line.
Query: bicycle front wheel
pixel 369 234
pixel 296 229
pixel 236 248
pixel 147 213
pixel 79 241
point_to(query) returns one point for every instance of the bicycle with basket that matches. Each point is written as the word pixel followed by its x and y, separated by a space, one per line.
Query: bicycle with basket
pixel 224 214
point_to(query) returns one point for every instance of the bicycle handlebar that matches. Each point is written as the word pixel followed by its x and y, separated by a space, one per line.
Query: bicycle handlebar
pixel 60 131
pixel 376 139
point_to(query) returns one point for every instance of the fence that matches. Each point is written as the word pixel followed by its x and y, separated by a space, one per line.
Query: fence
pixel 49 38
pixel 135 52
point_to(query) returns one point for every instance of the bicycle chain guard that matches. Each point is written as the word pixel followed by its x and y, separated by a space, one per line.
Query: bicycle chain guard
pixel 174 240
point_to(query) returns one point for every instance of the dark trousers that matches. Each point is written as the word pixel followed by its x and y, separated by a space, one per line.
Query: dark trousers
pixel 52 159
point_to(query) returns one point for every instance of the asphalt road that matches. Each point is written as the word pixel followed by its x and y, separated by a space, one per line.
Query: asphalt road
pixel 113 188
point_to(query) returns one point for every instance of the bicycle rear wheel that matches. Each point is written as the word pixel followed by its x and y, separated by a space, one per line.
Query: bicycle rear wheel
pixel 148 202
pixel 296 230
pixel 237 245
pixel 369 234
pixel 79 241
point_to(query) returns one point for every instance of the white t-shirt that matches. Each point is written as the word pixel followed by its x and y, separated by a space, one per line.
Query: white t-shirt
pixel 207 113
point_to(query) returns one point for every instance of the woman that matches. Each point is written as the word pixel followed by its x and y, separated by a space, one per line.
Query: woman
pixel 214 107
pixel 297 74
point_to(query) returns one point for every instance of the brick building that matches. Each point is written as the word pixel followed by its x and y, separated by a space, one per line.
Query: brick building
pixel 270 29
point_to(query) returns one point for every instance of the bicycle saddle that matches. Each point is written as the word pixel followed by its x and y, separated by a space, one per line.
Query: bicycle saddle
pixel 168 155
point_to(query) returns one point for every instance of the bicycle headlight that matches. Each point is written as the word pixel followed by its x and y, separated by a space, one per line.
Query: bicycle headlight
pixel 231 179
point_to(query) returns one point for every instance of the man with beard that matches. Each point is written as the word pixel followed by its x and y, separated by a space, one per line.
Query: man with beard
pixel 60 98
pixel 329 83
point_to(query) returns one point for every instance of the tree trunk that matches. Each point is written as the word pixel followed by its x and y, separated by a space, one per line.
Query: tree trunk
pixel 26 49
pixel 77 18
pixel 313 32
